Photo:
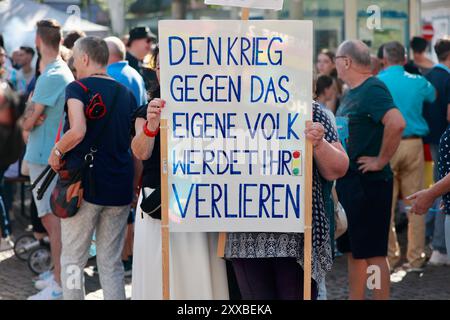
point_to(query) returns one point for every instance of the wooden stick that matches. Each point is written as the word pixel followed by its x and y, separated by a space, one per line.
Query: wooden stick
pixel 165 238
pixel 221 244
pixel 308 220
pixel 245 13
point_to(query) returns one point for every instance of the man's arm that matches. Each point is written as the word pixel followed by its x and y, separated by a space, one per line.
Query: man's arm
pixel 32 116
pixel 394 124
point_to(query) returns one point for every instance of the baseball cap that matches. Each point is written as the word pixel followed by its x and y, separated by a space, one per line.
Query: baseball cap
pixel 141 33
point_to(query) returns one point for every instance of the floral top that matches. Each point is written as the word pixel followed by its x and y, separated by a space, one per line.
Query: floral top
pixel 285 245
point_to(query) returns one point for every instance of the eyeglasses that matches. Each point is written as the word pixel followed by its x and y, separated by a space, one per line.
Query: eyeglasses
pixel 339 57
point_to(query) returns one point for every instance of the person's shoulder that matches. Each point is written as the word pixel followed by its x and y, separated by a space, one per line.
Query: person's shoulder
pixel 59 72
pixel 375 84
pixel 319 114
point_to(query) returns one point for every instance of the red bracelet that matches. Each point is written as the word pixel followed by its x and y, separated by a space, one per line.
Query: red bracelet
pixel 148 133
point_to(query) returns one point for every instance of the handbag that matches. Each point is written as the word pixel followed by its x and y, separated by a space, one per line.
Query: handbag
pixel 67 196
pixel 340 217
pixel 151 204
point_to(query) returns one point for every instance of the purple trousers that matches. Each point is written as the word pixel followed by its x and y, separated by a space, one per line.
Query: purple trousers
pixel 271 279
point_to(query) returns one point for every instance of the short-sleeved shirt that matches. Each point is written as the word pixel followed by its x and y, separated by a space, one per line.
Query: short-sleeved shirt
pixel 362 109
pixel 290 245
pixel 444 165
pixel 113 170
pixel 130 78
pixel 50 92
pixel 436 113
pixel 409 93
pixel 23 80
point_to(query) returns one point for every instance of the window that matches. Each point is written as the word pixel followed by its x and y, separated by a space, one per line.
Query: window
pixel 393 24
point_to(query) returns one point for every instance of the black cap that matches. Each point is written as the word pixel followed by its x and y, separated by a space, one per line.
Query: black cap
pixel 141 33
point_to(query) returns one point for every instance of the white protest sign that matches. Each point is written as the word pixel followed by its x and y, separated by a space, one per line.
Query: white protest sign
pixel 257 4
pixel 238 94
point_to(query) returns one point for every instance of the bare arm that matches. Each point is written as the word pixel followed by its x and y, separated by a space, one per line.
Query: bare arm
pixel 331 160
pixel 32 116
pixel 423 200
pixel 394 124
pixel 74 135
pixel 142 145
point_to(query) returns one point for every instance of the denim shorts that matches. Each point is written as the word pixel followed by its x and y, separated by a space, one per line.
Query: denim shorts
pixel 43 205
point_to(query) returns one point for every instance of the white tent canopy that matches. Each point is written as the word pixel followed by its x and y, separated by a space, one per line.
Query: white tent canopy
pixel 18 22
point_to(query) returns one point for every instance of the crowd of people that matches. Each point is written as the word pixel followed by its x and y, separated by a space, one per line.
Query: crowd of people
pixel 93 106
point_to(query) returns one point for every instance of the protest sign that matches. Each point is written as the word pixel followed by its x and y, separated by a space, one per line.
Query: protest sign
pixel 238 95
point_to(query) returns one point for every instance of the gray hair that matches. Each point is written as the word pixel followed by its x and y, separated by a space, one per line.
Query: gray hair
pixel 357 50
pixel 95 48
pixel 394 52
pixel 116 47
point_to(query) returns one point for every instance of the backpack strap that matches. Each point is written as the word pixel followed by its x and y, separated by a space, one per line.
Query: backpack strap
pixel 82 86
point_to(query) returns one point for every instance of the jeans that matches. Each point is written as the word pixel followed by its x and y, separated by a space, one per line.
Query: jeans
pixel 109 224
pixel 435 218
pixel 5 205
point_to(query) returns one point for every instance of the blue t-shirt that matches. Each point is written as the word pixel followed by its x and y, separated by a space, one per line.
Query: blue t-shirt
pixel 409 92
pixel 130 78
pixel 49 91
pixel 111 182
pixel 436 113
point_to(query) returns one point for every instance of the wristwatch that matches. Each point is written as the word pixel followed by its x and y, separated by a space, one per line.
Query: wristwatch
pixel 58 153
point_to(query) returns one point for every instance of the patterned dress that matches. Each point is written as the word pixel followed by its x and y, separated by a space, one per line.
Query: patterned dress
pixel 290 245
pixel 444 165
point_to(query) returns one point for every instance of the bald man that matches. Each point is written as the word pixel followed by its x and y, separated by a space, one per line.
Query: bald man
pixel 119 69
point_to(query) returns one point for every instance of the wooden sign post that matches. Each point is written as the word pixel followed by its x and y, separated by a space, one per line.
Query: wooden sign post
pixel 308 222
pixel 165 235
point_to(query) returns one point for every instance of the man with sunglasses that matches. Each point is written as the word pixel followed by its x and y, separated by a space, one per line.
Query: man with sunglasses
pixel 140 43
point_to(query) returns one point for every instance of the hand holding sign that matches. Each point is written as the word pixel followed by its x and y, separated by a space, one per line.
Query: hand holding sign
pixel 154 113
pixel 315 132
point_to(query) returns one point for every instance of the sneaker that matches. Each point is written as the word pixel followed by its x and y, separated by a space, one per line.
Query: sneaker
pixel 438 259
pixel 52 292
pixel 6 244
pixel 43 276
pixel 41 284
pixel 409 268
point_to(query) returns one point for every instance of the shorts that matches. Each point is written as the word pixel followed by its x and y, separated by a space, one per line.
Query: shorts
pixel 43 205
pixel 367 204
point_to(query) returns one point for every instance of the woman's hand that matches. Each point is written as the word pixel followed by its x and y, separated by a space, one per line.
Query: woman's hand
pixel 422 201
pixel 315 132
pixel 54 161
pixel 154 113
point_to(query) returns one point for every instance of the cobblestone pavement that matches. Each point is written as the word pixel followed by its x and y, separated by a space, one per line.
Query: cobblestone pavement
pixel 432 284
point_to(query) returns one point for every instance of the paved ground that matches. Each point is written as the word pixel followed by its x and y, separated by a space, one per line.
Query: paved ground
pixel 432 284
